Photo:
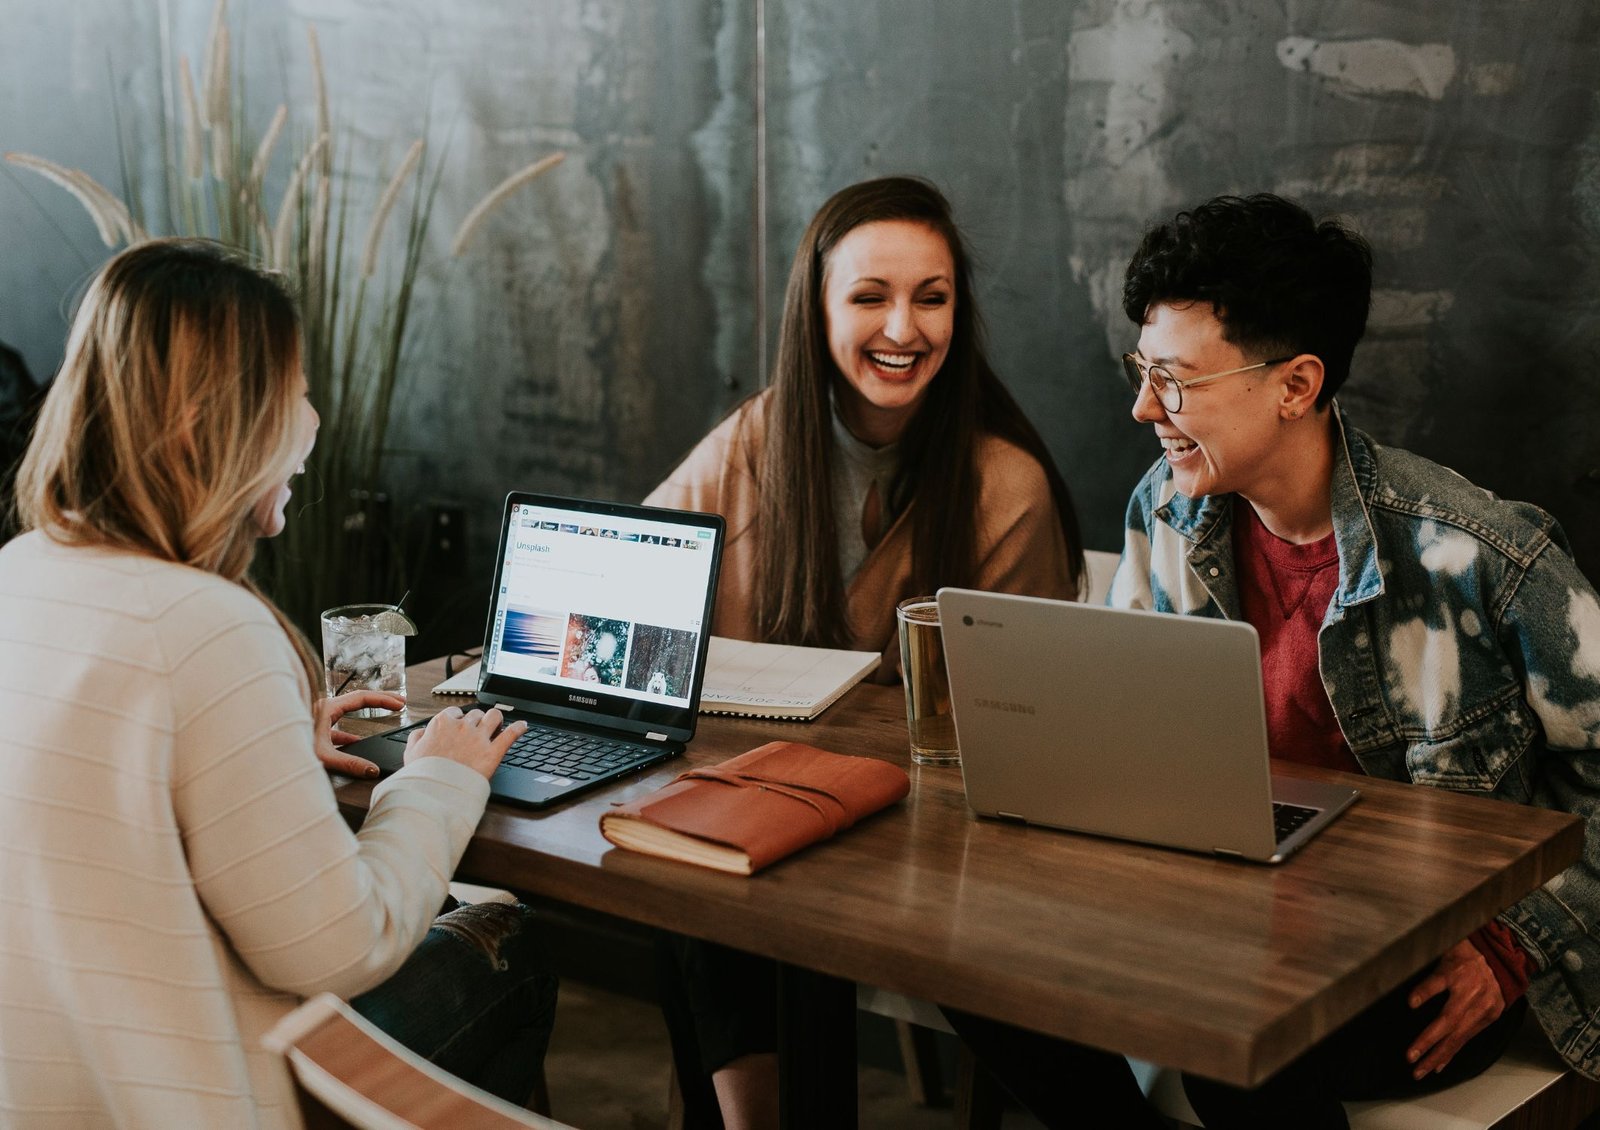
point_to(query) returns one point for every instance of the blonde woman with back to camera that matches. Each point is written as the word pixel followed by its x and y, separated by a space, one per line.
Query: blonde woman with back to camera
pixel 177 874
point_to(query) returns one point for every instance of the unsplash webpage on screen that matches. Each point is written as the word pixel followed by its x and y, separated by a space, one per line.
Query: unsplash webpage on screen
pixel 604 603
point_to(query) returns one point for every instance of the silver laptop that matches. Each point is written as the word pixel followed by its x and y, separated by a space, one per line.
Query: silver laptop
pixel 596 637
pixel 1145 726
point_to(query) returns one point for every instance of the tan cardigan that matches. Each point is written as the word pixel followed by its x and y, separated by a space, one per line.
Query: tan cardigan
pixel 1020 545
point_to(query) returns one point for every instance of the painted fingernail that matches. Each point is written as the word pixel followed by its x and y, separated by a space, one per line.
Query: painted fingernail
pixel 372 770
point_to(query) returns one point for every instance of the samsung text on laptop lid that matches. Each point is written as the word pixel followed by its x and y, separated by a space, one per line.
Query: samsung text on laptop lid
pixel 598 626
pixel 1144 726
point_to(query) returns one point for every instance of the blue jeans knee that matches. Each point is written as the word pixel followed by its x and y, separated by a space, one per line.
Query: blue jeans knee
pixel 475 998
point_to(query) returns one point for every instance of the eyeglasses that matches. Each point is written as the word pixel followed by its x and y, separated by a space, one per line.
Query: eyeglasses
pixel 1168 389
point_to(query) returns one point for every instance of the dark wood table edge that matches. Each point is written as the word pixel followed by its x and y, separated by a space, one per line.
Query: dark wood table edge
pixel 639 897
pixel 635 892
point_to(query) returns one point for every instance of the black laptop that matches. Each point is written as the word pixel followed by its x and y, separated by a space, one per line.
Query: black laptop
pixel 597 636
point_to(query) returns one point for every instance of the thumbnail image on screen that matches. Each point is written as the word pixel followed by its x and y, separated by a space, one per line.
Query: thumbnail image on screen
pixel 536 634
pixel 596 650
pixel 662 660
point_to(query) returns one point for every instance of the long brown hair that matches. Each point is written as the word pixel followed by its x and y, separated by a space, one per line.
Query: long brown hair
pixel 174 413
pixel 800 591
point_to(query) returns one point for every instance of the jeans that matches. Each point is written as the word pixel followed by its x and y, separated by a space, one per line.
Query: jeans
pixel 719 1004
pixel 1365 1059
pixel 474 999
pixel 1066 1085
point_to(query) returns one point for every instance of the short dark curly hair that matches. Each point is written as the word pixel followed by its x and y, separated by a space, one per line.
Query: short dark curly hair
pixel 1281 282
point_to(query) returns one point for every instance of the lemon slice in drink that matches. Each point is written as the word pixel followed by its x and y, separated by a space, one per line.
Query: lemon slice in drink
pixel 395 622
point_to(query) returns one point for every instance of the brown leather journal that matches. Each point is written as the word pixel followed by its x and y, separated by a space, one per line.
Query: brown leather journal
pixel 754 809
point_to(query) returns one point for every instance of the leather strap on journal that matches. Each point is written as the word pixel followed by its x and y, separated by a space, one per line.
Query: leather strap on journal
pixel 831 821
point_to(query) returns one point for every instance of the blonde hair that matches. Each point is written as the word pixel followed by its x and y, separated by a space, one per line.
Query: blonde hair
pixel 174 413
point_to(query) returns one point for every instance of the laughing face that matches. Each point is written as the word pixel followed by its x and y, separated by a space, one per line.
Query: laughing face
pixel 889 296
pixel 268 512
pixel 1226 437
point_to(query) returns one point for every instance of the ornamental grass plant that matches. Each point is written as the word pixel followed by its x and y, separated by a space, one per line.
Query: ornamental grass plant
pixel 355 284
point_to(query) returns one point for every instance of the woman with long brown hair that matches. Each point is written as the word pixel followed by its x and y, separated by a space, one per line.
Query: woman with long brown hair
pixel 177 873
pixel 884 461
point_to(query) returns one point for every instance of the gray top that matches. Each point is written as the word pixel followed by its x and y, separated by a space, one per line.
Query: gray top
pixel 858 466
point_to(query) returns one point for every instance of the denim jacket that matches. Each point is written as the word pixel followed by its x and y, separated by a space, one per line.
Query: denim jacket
pixel 1461 650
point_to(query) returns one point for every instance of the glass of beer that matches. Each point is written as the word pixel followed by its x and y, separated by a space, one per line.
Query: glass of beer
pixel 928 713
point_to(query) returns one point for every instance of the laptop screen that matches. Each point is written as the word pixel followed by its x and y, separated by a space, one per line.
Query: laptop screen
pixel 602 609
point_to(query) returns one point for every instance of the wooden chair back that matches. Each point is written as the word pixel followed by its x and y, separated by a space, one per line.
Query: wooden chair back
pixel 348 1073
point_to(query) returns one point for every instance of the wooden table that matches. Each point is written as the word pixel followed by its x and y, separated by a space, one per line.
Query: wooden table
pixel 1221 968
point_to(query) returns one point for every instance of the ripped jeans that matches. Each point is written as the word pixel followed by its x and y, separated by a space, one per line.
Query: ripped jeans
pixel 475 998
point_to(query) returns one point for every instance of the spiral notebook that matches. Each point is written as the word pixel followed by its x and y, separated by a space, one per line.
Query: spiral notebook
pixel 756 680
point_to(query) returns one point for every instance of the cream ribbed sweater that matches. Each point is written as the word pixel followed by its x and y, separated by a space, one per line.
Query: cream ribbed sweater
pixel 174 870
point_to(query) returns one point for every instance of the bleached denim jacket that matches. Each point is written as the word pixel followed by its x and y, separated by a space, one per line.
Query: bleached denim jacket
pixel 1461 650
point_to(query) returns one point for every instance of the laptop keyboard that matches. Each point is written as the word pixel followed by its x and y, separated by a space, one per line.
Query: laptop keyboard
pixel 577 757
pixel 1287 819
pixel 563 753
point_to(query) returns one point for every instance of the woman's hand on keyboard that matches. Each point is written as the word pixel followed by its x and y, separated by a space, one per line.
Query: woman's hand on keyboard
pixel 475 739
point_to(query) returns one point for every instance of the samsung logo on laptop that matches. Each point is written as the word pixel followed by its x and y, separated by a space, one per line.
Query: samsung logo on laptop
pixel 1001 704
pixel 583 698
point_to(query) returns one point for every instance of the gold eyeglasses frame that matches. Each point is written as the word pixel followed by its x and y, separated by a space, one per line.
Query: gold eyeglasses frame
pixel 1167 387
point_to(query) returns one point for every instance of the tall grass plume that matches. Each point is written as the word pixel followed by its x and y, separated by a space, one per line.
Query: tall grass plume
pixel 355 311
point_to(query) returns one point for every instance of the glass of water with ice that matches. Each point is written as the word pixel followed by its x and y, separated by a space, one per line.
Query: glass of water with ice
pixel 364 648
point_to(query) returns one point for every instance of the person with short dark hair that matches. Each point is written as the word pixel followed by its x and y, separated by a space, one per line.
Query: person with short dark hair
pixel 1413 626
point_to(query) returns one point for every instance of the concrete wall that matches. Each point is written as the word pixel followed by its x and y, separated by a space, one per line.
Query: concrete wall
pixel 577 343
pixel 609 314
pixel 1461 139
pixel 68 73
